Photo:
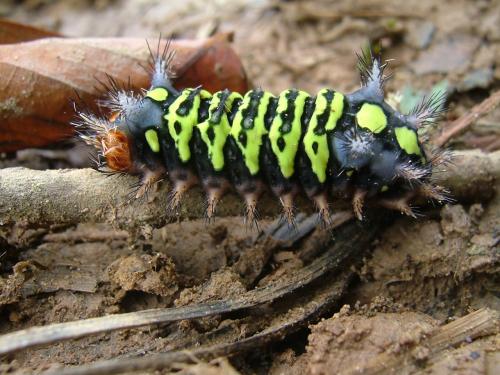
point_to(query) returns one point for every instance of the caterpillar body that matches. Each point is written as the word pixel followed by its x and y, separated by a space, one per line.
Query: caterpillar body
pixel 322 145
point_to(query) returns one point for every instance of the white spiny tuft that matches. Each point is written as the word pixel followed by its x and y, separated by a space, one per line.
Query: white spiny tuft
pixel 119 99
pixel 429 110
pixel 411 172
pixel 359 143
pixel 122 102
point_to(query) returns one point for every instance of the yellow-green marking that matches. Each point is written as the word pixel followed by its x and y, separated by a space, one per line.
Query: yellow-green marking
pixel 158 94
pixel 152 138
pixel 215 130
pixel 408 140
pixel 329 107
pixel 286 129
pixel 249 128
pixel 371 117
pixel 181 118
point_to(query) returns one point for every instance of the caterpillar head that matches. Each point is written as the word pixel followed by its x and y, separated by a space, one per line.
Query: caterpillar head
pixel 111 142
pixel 128 140
pixel 138 117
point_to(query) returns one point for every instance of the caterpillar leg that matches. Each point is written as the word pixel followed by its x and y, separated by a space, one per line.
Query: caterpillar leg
pixel 321 202
pixel 400 204
pixel 148 180
pixel 251 214
pixel 214 194
pixel 251 190
pixel 213 197
pixel 288 208
pixel 181 186
pixel 358 201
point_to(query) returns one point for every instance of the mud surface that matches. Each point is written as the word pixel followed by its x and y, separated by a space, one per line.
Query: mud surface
pixel 417 276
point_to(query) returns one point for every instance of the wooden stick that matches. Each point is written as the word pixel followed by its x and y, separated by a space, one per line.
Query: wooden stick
pixel 327 295
pixel 462 123
pixel 483 322
pixel 42 198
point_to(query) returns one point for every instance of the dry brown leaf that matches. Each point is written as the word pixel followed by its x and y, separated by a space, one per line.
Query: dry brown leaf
pixel 12 32
pixel 39 78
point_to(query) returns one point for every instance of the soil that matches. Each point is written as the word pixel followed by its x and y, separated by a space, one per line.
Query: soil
pixel 417 276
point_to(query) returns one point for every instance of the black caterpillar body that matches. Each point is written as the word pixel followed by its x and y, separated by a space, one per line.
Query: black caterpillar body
pixel 321 144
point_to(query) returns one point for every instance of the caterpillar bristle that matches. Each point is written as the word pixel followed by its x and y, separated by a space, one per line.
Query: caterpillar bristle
pixel 435 193
pixel 353 146
pixel 411 172
pixel 91 128
pixel 441 158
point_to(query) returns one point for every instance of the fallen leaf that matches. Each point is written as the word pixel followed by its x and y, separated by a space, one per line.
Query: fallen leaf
pixel 12 32
pixel 39 79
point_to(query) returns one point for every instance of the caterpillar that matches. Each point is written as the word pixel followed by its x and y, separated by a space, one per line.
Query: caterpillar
pixel 324 145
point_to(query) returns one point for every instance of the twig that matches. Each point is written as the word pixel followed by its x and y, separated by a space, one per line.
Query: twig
pixel 354 240
pixel 327 295
pixel 41 198
pixel 462 123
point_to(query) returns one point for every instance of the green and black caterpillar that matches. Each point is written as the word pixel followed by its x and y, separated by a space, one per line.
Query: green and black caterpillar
pixel 324 145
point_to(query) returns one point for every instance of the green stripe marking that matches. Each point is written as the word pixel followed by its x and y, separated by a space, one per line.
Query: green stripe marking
pixel 286 129
pixel 248 127
pixel 215 130
pixel 329 107
pixel 181 118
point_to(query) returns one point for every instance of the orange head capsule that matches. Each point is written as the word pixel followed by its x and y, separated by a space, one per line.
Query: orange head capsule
pixel 116 150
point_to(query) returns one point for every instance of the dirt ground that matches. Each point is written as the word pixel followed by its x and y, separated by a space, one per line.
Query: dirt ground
pixel 415 277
